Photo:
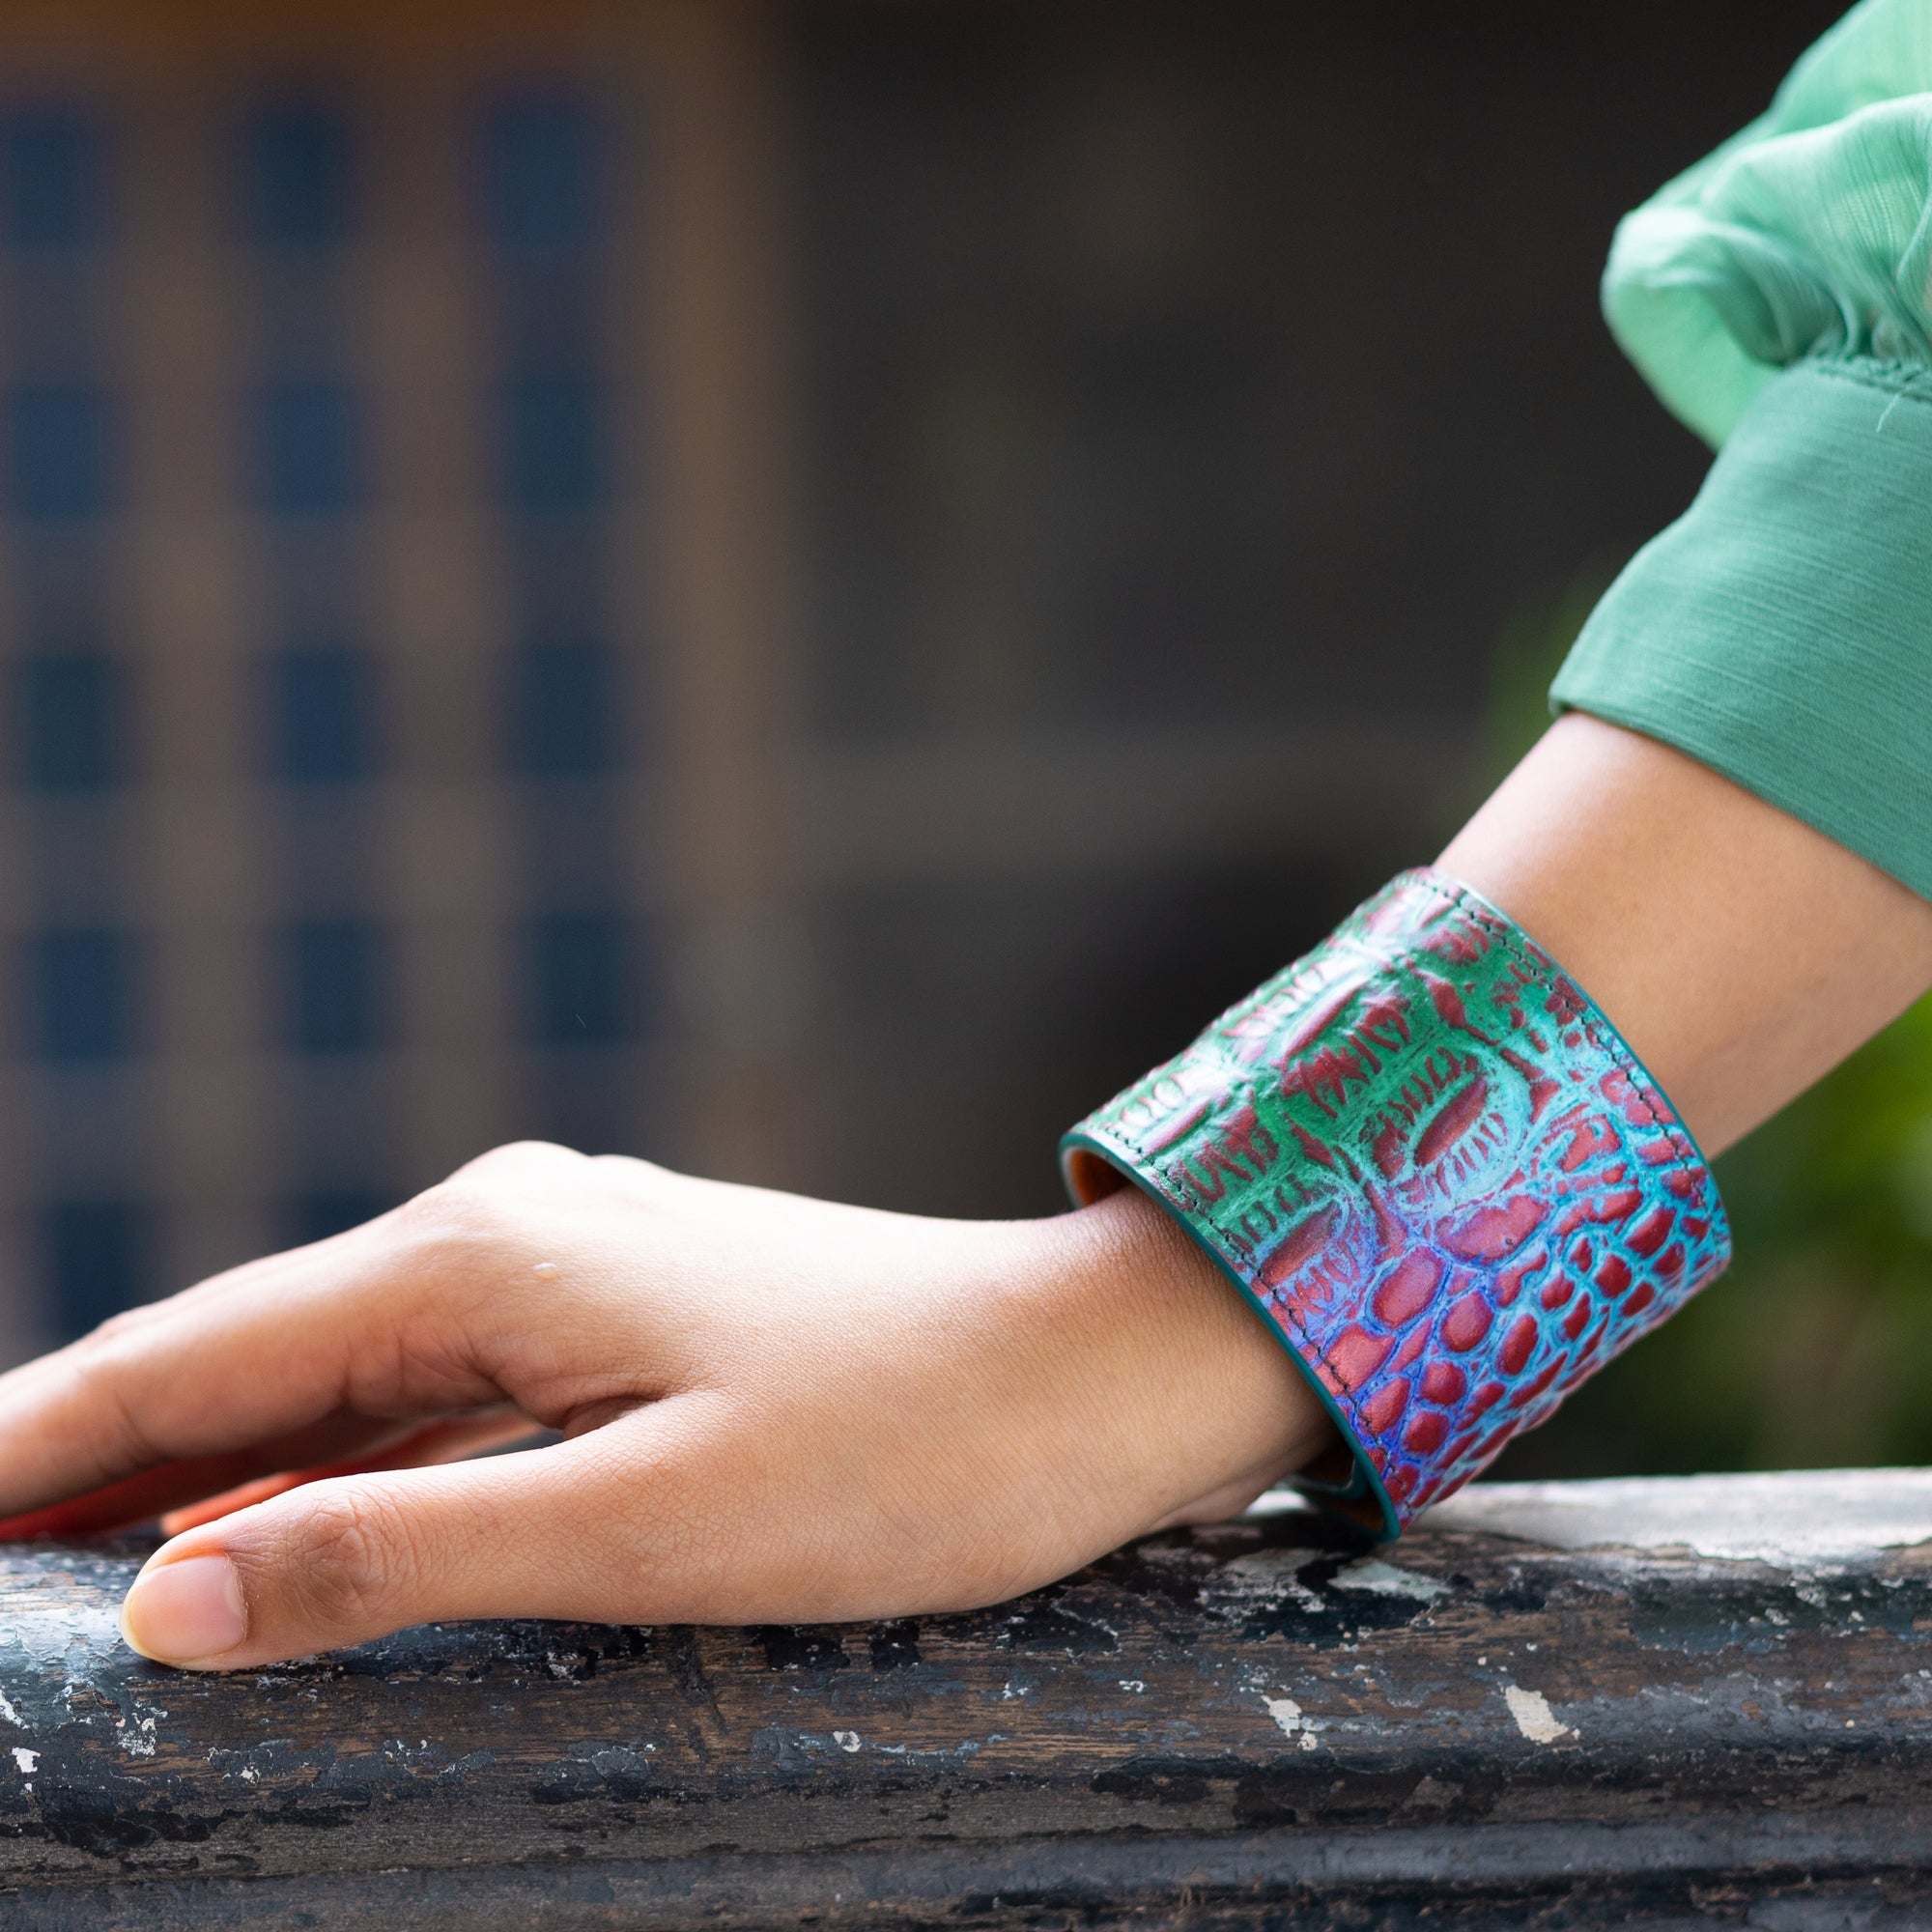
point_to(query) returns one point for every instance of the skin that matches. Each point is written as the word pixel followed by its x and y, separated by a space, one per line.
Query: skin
pixel 779 1410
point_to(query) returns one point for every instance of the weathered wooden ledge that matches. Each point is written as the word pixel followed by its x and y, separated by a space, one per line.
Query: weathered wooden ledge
pixel 1661 1704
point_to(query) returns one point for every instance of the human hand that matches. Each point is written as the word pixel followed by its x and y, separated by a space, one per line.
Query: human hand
pixel 775 1409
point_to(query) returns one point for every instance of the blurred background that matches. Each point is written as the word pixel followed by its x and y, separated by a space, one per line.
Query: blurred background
pixel 805 588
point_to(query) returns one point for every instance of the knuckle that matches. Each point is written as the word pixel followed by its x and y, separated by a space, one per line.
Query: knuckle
pixel 115 1328
pixel 518 1162
pixel 106 1339
pixel 485 1195
pixel 103 1375
pixel 444 1210
pixel 456 1214
pixel 125 1435
pixel 481 1217
pixel 353 1558
pixel 632 1178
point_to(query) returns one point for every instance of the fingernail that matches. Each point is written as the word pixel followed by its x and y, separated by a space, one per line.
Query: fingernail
pixel 186 1612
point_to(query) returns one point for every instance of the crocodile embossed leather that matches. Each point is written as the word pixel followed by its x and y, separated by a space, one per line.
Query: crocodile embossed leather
pixel 1437 1169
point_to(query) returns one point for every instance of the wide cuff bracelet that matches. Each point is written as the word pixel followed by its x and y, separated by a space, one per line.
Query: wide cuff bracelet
pixel 1437 1171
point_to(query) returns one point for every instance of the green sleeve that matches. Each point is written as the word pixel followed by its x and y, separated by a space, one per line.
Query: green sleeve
pixel 1778 299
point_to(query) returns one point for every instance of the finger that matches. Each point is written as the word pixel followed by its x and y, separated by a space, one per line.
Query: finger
pixel 134 1499
pixel 548 1532
pixel 439 1442
pixel 247 1359
pixel 140 1498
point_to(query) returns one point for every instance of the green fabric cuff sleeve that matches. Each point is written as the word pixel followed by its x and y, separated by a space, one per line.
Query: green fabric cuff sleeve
pixel 1780 630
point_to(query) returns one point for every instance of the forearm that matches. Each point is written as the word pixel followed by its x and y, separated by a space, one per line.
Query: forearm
pixel 1741 954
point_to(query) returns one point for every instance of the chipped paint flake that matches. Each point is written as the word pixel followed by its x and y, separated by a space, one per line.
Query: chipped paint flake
pixel 1384 1579
pixel 847 1740
pixel 1287 1713
pixel 12 1716
pixel 1533 1716
pixel 1262 1580
pixel 26 1761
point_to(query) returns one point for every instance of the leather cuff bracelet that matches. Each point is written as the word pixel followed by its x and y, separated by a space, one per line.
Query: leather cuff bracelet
pixel 1439 1173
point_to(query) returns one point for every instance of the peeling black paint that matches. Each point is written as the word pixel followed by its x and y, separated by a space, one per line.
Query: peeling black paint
pixel 788 1649
pixel 894 1647
pixel 1704 1615
pixel 1047 1629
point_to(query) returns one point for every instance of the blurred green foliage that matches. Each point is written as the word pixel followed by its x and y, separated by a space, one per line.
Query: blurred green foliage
pixel 1815 1350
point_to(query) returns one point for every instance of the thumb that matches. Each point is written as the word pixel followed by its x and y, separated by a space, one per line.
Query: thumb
pixel 342 1561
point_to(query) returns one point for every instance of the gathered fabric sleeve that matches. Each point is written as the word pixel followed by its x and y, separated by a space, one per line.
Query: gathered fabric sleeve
pixel 1777 298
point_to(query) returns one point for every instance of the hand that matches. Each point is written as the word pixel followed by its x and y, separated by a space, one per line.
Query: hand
pixel 775 1409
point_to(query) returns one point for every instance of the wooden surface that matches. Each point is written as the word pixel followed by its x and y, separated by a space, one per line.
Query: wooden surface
pixel 1661 1704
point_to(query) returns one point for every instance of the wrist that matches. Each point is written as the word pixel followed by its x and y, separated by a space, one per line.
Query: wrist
pixel 1224 1409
